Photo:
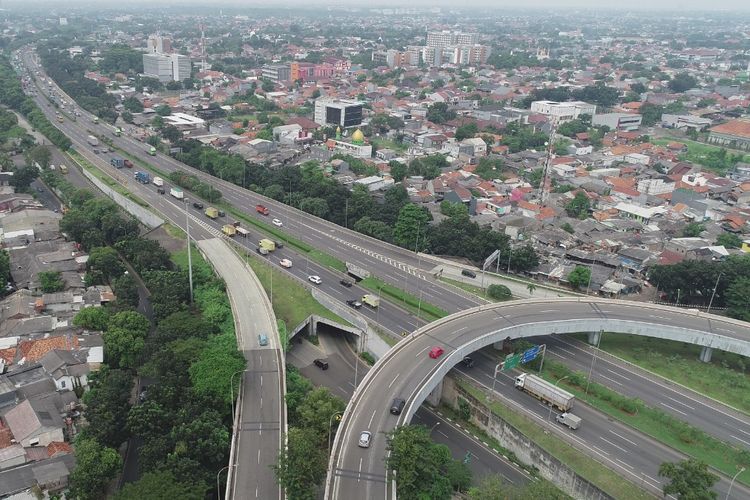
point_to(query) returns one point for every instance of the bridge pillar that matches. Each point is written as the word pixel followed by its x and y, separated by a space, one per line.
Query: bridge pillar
pixel 434 397
pixel 594 338
pixel 705 355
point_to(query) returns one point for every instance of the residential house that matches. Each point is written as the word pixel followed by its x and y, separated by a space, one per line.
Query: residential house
pixel 66 369
pixel 35 422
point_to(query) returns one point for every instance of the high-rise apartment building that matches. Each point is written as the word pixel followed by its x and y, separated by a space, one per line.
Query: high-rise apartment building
pixel 158 44
pixel 445 38
pixel 341 112
pixel 166 67
pixel 454 47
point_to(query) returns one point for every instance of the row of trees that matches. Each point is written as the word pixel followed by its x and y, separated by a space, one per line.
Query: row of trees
pixel 599 94
pixel 11 95
pixel 190 354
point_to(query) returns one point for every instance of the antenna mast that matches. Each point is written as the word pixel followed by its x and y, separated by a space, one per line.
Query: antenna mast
pixel 546 184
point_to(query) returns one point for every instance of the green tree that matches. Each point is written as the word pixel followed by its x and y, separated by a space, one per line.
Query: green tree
pixel 466 131
pixel 171 133
pixel 40 155
pixel 127 117
pixel 211 372
pixel 107 406
pixel 579 206
pixel 651 113
pixel 688 480
pixel 4 268
pixel 163 110
pixel 410 225
pixel 451 209
pixel 421 466
pixel 105 264
pixel 579 277
pixel 375 228
pixel 439 113
pixel 160 484
pixel 301 465
pixel 314 206
pixel 567 228
pixel 737 299
pixel 489 168
pixel 133 105
pixel 157 122
pixel 693 229
pixel 92 318
pixel 96 466
pixel 316 409
pixel 682 82
pixel 51 281
pixel 729 240
pixel 499 292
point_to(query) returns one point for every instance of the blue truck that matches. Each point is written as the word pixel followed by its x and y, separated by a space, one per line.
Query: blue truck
pixel 117 162
pixel 142 177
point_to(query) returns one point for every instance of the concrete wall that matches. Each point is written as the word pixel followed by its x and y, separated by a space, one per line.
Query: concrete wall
pixel 146 217
pixel 525 449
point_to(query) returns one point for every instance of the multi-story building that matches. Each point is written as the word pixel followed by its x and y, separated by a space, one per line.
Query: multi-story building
pixel 656 185
pixel 166 67
pixel 563 111
pixel 627 122
pixel 342 112
pixel 445 38
pixel 158 44
pixel 454 48
pixel 733 134
pixel 276 72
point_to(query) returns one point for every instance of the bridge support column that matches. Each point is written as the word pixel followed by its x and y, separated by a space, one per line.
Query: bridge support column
pixel 595 338
pixel 434 397
pixel 705 355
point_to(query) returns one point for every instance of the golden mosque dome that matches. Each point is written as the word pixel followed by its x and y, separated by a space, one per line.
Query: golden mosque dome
pixel 358 136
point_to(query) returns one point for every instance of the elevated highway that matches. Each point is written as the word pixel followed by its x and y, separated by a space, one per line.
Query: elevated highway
pixel 408 372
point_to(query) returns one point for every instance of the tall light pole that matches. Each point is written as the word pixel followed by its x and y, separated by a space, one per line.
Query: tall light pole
pixel 218 487
pixel 190 258
pixel 231 391
pixel 549 417
pixel 494 376
pixel 593 359
pixel 330 426
pixel 742 469
pixel 713 294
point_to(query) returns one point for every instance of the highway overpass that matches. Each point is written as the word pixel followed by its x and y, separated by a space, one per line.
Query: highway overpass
pixel 408 372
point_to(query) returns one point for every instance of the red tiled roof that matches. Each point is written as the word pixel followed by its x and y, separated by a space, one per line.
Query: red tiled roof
pixel 34 350
pixel 739 128
pixel 5 436
pixel 58 447
pixel 8 355
pixel 668 257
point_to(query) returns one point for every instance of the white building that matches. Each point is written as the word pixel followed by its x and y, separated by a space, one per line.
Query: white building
pixel 374 182
pixel 685 122
pixel 656 186
pixel 342 112
pixel 627 122
pixel 563 111
pixel 184 121
pixel 166 67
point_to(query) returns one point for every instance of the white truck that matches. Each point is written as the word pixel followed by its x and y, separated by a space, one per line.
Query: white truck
pixel 92 140
pixel 158 181
pixel 544 391
pixel 572 421
pixel 177 193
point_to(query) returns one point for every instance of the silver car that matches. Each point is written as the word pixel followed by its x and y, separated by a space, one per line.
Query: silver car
pixel 364 439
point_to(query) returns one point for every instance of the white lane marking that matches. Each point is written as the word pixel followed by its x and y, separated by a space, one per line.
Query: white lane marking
pixel 256 492
pixel 420 352
pixel 681 403
pixel 394 379
pixel 738 439
pixel 461 329
pixel 359 473
pixel 744 432
pixel 258 456
pixel 369 424
pixel 565 351
pixel 623 463
pixel 261 380
pixel 261 401
pixel 610 379
pixel 600 451
pixel 617 374
pixel 613 444
pixel 549 311
pixel 673 409
pixel 623 438
pixel 658 317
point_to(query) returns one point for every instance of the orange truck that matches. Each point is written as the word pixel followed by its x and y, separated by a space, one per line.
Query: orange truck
pixel 261 209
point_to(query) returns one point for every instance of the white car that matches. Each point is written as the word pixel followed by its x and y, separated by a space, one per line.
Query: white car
pixel 364 439
pixel 285 263
pixel 277 222
pixel 315 279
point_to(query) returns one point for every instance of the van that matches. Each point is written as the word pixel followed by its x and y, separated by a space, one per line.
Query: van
pixel 469 273
pixel 397 406
pixel 321 363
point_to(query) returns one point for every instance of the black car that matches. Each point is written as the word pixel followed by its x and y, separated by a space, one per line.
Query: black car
pixel 161 190
pixel 397 406
pixel 197 205
pixel 469 273
pixel 279 244
pixel 222 213
pixel 468 361
pixel 321 363
pixel 346 283
pixel 354 303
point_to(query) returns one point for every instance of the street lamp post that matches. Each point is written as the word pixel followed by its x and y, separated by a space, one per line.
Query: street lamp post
pixel 190 259
pixel 593 359
pixel 549 417
pixel 742 469
pixel 494 376
pixel 330 426
pixel 710 302
pixel 231 391
pixel 218 486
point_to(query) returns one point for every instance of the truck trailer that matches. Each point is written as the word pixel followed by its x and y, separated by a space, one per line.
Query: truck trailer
pixel 158 181
pixel 371 300
pixel 267 245
pixel 544 391
pixel 142 177
pixel 229 229
pixel 92 140
pixel 212 213
pixel 117 162
pixel 177 193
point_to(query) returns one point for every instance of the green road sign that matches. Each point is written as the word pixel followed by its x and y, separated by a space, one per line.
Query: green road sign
pixel 511 361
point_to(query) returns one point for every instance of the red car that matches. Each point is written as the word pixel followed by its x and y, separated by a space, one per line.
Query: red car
pixel 436 352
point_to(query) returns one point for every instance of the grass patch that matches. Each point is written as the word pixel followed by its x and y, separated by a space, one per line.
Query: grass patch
pixel 679 361
pixel 478 291
pixel 106 179
pixel 659 425
pixel 588 468
pixel 174 231
pixel 369 358
pixel 292 303
pixel 422 309
pixel 389 144
pixel 283 334
pixel 699 152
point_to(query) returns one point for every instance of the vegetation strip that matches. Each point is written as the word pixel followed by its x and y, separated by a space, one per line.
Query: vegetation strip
pixel 106 179
pixel 415 305
pixel 583 465
pixel 653 422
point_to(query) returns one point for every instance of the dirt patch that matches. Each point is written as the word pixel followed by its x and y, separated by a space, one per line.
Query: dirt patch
pixel 168 242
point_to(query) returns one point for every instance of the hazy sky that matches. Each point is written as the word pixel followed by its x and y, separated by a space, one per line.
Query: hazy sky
pixel 672 5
